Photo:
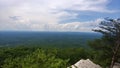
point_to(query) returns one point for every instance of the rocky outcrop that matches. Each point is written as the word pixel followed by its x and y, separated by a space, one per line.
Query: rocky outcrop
pixel 117 65
pixel 85 64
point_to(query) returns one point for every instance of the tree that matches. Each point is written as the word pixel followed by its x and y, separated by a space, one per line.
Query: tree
pixel 110 28
pixel 40 58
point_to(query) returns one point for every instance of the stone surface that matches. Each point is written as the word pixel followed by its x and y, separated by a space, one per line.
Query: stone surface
pixel 85 64
pixel 117 65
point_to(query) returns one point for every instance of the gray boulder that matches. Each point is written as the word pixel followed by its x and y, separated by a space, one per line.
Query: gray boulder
pixel 117 65
pixel 85 64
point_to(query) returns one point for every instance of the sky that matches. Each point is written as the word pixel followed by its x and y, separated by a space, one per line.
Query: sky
pixel 56 15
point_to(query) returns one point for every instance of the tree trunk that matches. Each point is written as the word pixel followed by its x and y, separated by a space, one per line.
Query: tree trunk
pixel 114 55
pixel 112 62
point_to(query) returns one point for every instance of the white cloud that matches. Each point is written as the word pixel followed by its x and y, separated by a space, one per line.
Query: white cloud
pixel 46 14
pixel 72 26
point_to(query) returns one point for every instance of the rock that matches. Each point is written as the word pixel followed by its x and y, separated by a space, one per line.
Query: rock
pixel 85 64
pixel 117 65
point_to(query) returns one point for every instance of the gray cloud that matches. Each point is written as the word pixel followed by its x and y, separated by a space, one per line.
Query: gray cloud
pixel 15 17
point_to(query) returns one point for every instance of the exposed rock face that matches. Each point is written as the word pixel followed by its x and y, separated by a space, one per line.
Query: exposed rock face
pixel 117 65
pixel 85 64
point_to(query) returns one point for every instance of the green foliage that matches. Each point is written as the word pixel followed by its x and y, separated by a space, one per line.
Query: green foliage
pixel 38 59
pixel 100 52
pixel 74 54
pixel 13 52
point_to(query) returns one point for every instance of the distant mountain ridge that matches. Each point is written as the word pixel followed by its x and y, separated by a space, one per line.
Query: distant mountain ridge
pixel 45 39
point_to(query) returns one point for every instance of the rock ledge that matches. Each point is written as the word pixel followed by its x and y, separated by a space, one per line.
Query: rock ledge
pixel 85 64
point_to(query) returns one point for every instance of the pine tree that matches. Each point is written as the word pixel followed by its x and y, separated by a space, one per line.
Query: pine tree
pixel 110 28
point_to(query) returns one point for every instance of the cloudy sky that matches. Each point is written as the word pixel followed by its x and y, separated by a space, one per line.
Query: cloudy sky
pixel 55 15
